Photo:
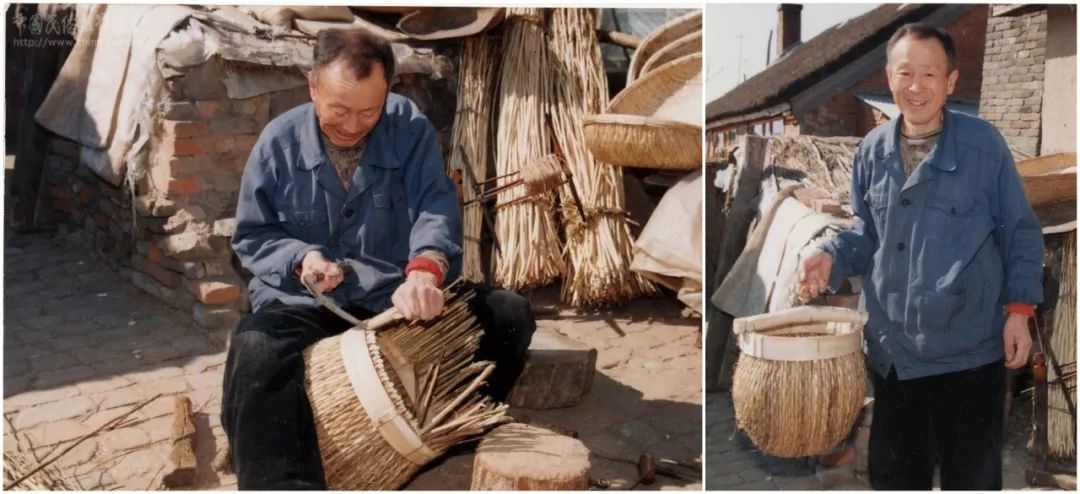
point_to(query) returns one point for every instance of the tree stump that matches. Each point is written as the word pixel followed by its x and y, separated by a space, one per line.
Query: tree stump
pixel 558 372
pixel 519 457
pixel 182 456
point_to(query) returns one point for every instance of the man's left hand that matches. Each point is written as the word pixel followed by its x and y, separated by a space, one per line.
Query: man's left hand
pixel 418 297
pixel 1017 341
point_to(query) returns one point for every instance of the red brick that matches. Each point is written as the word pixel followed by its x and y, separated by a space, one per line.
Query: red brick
pixel 86 195
pixel 180 129
pixel 153 253
pixel 183 186
pixel 207 109
pixel 245 142
pixel 186 146
pixel 214 292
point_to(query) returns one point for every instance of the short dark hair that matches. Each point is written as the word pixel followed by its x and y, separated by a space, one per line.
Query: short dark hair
pixel 357 48
pixel 922 30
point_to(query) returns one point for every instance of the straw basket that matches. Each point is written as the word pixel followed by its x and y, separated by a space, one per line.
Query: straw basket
pixel 437 23
pixel 391 396
pixel 800 380
pixel 660 38
pixel 686 45
pixel 655 123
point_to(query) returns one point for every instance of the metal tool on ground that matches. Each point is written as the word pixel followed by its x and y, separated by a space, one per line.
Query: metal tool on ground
pixel 649 466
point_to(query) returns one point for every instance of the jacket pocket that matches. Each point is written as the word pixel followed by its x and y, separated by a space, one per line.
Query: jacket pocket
pixel 937 310
pixel 309 225
pixel 877 199
pixel 950 214
pixel 389 231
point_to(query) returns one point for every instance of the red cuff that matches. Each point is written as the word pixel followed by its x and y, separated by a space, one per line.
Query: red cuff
pixel 1022 309
pixel 421 263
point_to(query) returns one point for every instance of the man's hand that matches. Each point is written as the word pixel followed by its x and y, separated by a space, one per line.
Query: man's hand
pixel 814 273
pixel 418 297
pixel 316 262
pixel 1017 341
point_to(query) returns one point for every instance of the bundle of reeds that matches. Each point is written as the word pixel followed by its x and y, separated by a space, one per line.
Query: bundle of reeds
pixel 1061 427
pixel 387 401
pixel 530 253
pixel 598 248
pixel 471 135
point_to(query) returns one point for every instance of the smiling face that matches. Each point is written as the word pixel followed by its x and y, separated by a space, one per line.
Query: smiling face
pixel 347 108
pixel 921 80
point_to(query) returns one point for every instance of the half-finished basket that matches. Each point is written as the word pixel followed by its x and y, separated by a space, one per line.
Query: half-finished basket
pixel 391 396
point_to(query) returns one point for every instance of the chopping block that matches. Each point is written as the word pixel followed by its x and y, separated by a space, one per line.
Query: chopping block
pixel 520 457
pixel 558 372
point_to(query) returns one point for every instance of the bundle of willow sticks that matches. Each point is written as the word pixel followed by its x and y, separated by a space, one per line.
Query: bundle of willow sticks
pixel 530 253
pixel 598 248
pixel 472 130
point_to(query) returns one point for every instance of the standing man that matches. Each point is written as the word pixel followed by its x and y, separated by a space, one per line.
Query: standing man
pixel 355 179
pixel 951 258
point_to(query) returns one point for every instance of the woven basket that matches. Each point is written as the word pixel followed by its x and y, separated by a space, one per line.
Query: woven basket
pixel 655 123
pixel 686 45
pixel 658 39
pixel 367 389
pixel 801 378
pixel 435 23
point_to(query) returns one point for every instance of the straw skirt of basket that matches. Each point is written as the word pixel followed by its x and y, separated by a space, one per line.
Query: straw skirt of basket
pixel 800 381
pixel 654 123
pixel 387 402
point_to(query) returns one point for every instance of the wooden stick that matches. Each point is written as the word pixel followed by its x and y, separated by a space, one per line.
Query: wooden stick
pixel 182 456
pixel 477 382
pixel 82 439
pixel 618 38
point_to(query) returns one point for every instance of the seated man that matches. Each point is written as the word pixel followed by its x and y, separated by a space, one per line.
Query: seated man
pixel 352 179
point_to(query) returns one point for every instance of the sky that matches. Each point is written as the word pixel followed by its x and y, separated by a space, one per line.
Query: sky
pixel 748 25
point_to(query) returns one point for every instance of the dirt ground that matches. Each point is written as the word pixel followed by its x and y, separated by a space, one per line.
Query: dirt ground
pixel 83 346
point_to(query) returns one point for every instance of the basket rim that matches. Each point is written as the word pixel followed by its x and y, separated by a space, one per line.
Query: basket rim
pixel 640 87
pixel 637 61
pixel 649 66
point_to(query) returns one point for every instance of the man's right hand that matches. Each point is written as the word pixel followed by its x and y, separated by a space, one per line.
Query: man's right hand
pixel 814 273
pixel 316 262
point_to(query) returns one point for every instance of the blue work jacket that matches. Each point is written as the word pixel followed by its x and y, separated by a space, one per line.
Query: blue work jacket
pixel 292 202
pixel 942 251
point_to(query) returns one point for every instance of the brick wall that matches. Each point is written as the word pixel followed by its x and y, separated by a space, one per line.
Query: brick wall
pixel 178 248
pixel 1013 78
pixel 845 115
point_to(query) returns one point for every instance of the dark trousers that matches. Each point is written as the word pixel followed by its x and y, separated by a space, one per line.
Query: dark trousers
pixel 953 418
pixel 265 411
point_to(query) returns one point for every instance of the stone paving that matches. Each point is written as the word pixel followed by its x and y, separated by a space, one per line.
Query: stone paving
pixel 82 346
pixel 734 463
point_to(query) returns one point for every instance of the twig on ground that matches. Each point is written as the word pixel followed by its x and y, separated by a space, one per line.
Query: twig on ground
pixel 72 446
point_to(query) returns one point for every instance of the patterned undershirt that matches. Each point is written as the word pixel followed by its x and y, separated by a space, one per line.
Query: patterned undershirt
pixel 913 149
pixel 345 160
